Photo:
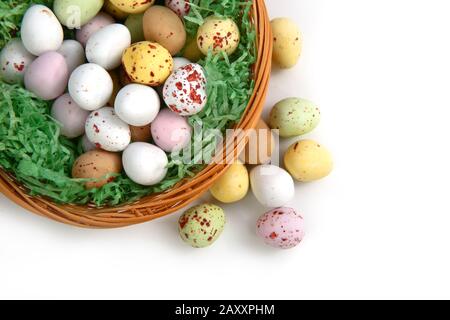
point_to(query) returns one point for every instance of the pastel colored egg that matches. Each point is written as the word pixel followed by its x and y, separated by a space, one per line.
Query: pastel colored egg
pixel 106 46
pixel 132 6
pixel 90 86
pixel 202 225
pixel 287 42
pixel 147 63
pixel 71 117
pixel 185 90
pixel 114 11
pixel 137 105
pixel 218 35
pixel 294 117
pixel 135 24
pixel 41 31
pixel 141 134
pixel 76 13
pixel 180 7
pixel 170 131
pixel 163 26
pixel 145 163
pixel 99 165
pixel 179 62
pixel 281 228
pixel 260 146
pixel 100 21
pixel 73 53
pixel 14 60
pixel 107 131
pixel 308 161
pixel 47 76
pixel 272 186
pixel 233 185
pixel 87 145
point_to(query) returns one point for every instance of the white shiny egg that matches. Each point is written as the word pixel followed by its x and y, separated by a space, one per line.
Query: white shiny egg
pixel 179 62
pixel 73 53
pixel 14 60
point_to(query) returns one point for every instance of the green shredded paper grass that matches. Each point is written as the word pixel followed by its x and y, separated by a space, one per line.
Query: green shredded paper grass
pixel 32 149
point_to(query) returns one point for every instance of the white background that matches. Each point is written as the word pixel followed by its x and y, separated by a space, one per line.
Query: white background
pixel 378 227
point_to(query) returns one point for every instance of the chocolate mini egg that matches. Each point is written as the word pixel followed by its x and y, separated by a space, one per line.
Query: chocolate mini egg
pixel 202 225
pixel 87 145
pixel 163 26
pixel 114 11
pixel 135 23
pixel 71 117
pixel 287 42
pixel 90 86
pixel 47 76
pixel 308 161
pixel 41 31
pixel 99 165
pixel 281 228
pixel 180 7
pixel 141 134
pixel 233 185
pixel 145 163
pixel 260 146
pixel 132 6
pixel 137 105
pixel 171 132
pixel 147 63
pixel 185 90
pixel 219 35
pixel 272 186
pixel 101 20
pixel 106 46
pixel 73 52
pixel 294 117
pixel 14 60
pixel 76 13
pixel 107 131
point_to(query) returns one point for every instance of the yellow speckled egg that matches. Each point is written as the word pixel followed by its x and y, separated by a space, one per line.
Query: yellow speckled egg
pixel 307 161
pixel 233 185
pixel 287 42
pixel 218 34
pixel 114 11
pixel 132 6
pixel 147 63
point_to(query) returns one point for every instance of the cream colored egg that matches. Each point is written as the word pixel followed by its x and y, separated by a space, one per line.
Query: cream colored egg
pixel 233 185
pixel 132 6
pixel 287 42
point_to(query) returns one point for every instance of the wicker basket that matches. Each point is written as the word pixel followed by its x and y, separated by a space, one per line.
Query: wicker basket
pixel 158 205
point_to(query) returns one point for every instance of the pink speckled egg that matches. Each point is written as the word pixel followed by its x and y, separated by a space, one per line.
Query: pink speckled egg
pixel 185 90
pixel 100 21
pixel 47 76
pixel 281 228
pixel 180 7
pixel 170 131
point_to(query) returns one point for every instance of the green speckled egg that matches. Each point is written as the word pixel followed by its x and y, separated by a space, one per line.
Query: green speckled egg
pixel 294 117
pixel 76 13
pixel 135 24
pixel 200 226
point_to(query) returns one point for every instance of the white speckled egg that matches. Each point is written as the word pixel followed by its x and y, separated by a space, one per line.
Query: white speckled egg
pixel 107 131
pixel 41 31
pixel 90 86
pixel 185 90
pixel 14 59
pixel 180 7
pixel 145 163
pixel 73 53
pixel 71 117
pixel 272 186
pixel 137 105
pixel 179 62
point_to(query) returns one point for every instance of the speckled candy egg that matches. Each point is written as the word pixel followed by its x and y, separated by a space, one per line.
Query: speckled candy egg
pixel 180 7
pixel 308 161
pixel 233 185
pixel 185 90
pixel 294 117
pixel 170 131
pixel 145 163
pixel 76 13
pixel 90 86
pixel 202 225
pixel 73 53
pixel 132 6
pixel 147 63
pixel 218 34
pixel 135 23
pixel 71 117
pixel 281 228
pixel 14 60
pixel 47 76
pixel 41 31
pixel 272 186
pixel 114 11
pixel 287 42
pixel 107 131
pixel 101 20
